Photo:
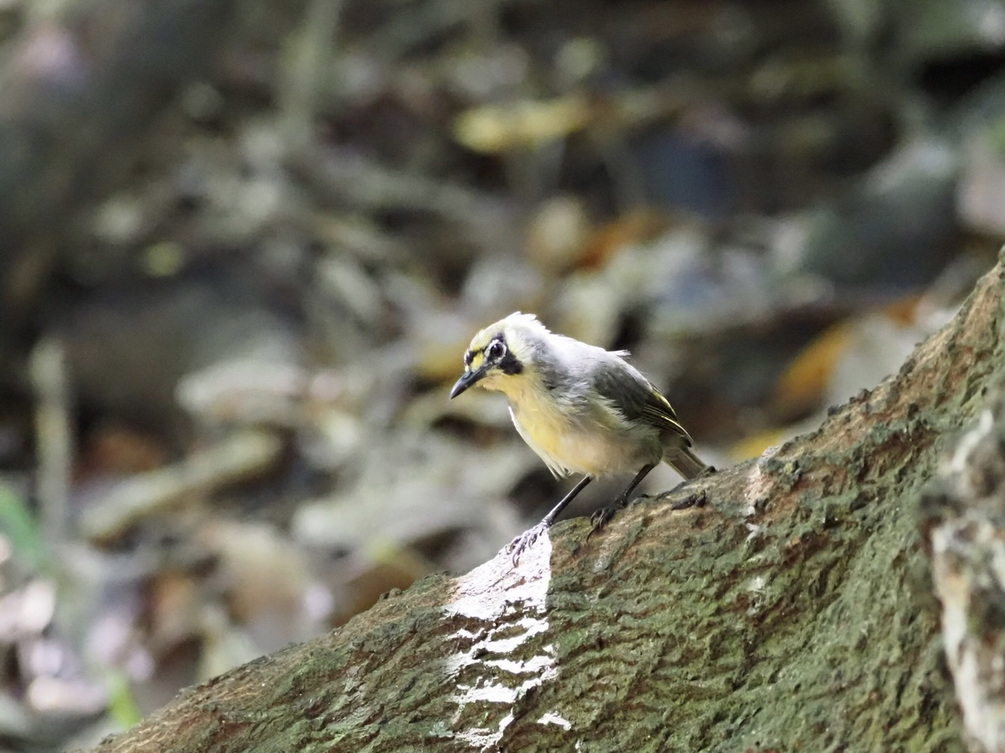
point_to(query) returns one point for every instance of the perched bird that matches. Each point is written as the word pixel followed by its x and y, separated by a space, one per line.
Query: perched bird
pixel 581 408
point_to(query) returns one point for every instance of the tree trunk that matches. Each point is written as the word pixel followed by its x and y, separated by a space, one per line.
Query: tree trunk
pixel 78 98
pixel 791 609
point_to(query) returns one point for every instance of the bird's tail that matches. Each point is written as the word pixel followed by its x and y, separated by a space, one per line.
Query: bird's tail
pixel 685 462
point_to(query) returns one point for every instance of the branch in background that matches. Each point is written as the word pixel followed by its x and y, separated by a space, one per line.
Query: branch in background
pixel 78 99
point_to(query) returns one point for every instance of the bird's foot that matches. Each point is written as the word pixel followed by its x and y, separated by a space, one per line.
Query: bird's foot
pixel 524 541
pixel 605 515
pixel 695 499
pixel 600 519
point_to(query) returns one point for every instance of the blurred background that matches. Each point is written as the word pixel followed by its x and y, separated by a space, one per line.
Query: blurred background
pixel 244 245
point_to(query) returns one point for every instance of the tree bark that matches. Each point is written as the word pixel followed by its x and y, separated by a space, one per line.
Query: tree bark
pixel 791 609
pixel 965 521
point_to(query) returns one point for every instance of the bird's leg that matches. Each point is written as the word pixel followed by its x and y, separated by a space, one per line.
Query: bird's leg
pixel 528 537
pixel 604 515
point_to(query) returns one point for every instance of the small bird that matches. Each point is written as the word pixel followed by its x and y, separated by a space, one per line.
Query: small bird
pixel 581 408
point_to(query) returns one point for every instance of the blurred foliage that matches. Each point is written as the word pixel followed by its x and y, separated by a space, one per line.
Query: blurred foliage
pixel 21 530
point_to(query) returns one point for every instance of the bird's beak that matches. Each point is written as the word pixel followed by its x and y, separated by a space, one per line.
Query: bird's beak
pixel 468 378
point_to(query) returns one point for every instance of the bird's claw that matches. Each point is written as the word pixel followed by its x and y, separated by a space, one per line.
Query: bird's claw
pixel 695 499
pixel 524 541
pixel 603 516
pixel 600 519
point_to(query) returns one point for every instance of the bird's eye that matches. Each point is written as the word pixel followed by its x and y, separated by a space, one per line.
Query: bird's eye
pixel 496 350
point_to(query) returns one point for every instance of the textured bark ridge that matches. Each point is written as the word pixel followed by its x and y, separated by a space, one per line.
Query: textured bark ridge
pixel 792 610
pixel 966 529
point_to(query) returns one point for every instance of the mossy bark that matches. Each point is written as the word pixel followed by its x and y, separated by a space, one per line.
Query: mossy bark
pixel 790 609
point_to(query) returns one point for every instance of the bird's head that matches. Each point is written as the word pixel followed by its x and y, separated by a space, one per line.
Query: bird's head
pixel 501 356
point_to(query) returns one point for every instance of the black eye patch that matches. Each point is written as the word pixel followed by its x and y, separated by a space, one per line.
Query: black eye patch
pixel 509 365
pixel 468 357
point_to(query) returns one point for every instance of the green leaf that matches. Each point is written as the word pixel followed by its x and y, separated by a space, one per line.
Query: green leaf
pixel 18 525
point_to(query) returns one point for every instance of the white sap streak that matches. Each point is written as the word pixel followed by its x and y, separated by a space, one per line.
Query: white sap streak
pixel 759 485
pixel 490 663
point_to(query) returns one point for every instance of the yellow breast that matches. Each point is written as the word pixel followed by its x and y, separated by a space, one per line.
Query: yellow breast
pixel 576 441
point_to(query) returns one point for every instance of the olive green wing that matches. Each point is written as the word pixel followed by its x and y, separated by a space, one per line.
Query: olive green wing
pixel 637 398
